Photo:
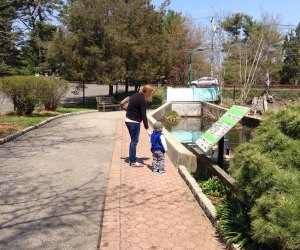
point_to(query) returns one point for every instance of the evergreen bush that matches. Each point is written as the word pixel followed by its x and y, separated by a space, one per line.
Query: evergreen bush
pixel 267 171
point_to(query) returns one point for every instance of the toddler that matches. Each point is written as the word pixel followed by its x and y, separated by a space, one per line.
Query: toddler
pixel 158 148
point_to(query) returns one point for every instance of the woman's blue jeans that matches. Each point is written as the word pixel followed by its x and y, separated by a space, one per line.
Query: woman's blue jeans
pixel 134 132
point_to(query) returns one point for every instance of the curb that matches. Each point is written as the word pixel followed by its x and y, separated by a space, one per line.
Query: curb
pixel 207 206
pixel 25 130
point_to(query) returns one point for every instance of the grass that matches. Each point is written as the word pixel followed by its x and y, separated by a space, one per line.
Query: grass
pixel 11 123
pixel 75 107
pixel 24 121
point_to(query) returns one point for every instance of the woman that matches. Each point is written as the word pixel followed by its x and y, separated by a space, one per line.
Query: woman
pixel 136 113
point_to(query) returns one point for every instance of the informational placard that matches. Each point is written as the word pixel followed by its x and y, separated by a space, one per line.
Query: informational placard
pixel 221 127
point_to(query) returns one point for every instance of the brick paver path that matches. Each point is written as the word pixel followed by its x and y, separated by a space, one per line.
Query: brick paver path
pixel 145 210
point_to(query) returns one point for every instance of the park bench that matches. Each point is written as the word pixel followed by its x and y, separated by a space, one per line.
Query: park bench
pixel 105 103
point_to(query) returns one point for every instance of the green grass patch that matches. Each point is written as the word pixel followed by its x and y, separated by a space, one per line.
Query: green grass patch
pixel 41 115
pixel 24 121
pixel 65 110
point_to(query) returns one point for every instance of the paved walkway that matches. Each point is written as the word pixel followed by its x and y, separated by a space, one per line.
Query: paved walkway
pixel 53 182
pixel 145 210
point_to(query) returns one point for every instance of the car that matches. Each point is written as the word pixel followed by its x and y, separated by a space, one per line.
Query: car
pixel 204 82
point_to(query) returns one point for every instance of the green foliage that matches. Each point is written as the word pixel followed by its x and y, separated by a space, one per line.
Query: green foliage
pixel 246 168
pixel 52 90
pixel 267 171
pixel 24 121
pixel 232 223
pixel 290 72
pixel 277 215
pixel 214 187
pixel 247 39
pixel 8 39
pixel 158 96
pixel 172 118
pixel 172 113
pixel 176 40
pixel 28 91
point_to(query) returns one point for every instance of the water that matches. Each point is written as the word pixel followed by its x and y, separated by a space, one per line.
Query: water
pixel 189 129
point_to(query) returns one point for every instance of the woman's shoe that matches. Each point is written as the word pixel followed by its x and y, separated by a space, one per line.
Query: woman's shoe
pixel 136 164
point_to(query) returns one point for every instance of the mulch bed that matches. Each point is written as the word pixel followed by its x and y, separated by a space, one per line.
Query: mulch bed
pixel 8 128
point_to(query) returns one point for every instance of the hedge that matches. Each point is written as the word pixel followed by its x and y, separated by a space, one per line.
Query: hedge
pixel 26 92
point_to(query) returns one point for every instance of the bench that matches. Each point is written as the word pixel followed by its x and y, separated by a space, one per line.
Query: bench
pixel 106 103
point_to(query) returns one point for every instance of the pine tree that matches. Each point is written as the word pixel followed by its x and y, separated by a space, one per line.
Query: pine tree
pixel 8 38
pixel 290 72
pixel 267 171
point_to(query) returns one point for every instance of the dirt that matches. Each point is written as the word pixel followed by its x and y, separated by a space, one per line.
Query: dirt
pixel 215 199
pixel 8 128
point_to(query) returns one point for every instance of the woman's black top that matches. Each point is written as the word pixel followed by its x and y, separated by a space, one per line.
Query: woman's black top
pixel 136 110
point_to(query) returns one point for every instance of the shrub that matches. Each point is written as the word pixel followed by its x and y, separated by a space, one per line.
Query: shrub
pixel 22 91
pixel 172 116
pixel 267 171
pixel 27 91
pixel 53 90
pixel 214 187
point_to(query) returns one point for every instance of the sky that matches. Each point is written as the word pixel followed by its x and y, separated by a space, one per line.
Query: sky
pixel 288 11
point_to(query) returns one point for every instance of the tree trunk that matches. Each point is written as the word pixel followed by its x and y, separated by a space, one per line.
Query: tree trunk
pixel 126 87
pixel 83 93
pixel 111 89
pixel 136 88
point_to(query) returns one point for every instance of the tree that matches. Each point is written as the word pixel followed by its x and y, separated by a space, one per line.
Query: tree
pixel 267 172
pixel 252 50
pixel 290 72
pixel 34 18
pixel 182 37
pixel 8 38
pixel 112 41
pixel 143 42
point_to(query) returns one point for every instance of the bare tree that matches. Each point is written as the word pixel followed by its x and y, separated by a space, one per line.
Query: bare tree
pixel 252 49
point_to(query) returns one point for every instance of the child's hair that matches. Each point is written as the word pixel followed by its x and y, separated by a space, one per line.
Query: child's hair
pixel 158 125
pixel 148 91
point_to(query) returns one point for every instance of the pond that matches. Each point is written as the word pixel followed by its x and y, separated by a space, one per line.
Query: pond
pixel 189 129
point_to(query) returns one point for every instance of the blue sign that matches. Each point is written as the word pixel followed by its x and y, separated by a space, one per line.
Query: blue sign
pixel 208 94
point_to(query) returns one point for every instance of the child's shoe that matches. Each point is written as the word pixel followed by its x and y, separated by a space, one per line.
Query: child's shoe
pixel 161 171
pixel 154 170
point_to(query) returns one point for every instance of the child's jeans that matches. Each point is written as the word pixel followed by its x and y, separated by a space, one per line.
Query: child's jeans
pixel 158 160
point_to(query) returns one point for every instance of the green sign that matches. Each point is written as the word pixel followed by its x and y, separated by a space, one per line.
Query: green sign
pixel 221 127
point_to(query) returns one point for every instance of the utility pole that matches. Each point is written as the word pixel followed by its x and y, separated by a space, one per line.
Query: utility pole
pixel 213 30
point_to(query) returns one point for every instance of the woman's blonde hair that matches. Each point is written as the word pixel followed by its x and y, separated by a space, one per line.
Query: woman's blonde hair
pixel 148 91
